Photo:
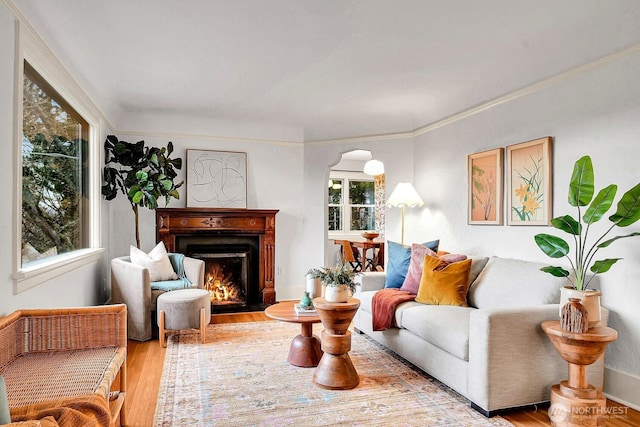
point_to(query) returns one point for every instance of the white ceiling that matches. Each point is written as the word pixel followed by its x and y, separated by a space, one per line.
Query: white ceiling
pixel 335 68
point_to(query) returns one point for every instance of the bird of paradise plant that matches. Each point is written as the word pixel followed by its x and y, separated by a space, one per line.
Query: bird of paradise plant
pixel 530 191
pixel 581 189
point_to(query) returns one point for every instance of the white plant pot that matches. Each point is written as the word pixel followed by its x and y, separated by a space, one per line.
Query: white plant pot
pixel 590 299
pixel 336 293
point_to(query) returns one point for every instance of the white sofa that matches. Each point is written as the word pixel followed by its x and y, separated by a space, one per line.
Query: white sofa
pixel 493 352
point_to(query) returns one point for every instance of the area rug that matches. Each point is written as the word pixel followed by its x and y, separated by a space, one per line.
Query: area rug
pixel 240 377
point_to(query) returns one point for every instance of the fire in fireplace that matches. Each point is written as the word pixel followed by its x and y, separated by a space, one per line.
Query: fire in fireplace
pixel 226 273
pixel 226 277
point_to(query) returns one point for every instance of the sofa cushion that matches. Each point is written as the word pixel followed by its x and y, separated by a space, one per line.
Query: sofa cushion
pixel 444 326
pixel 414 273
pixel 444 283
pixel 508 282
pixel 398 259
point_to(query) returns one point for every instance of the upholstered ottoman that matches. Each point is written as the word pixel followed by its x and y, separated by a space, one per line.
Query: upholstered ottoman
pixel 183 309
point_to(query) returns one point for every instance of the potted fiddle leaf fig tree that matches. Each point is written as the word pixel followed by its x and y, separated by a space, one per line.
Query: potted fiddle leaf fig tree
pixel 584 266
pixel 144 174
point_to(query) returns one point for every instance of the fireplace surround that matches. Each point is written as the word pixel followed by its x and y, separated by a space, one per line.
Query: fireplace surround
pixel 232 242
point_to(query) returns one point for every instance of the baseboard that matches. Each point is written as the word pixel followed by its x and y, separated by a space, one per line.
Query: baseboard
pixel 622 387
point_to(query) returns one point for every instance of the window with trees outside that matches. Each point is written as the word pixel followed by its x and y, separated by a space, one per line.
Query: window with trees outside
pixel 351 203
pixel 54 173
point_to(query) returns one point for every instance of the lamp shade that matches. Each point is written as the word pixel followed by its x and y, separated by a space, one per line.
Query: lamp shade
pixel 404 195
pixel 373 167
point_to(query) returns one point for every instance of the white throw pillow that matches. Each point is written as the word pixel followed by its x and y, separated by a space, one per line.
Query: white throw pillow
pixel 157 262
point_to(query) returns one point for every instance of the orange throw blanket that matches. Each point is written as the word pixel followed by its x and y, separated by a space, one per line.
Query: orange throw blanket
pixel 92 410
pixel 383 306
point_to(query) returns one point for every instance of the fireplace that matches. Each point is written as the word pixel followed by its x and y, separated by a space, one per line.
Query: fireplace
pixel 237 246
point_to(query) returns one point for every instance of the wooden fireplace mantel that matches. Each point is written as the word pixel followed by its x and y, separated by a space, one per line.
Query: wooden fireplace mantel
pixel 176 222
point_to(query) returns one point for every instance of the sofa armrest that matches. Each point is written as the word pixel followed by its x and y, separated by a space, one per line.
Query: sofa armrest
pixel 194 270
pixel 508 348
pixel 370 281
pixel 131 285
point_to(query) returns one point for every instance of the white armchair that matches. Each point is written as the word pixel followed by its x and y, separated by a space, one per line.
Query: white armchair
pixel 131 285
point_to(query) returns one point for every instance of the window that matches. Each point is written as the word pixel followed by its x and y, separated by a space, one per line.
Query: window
pixel 351 203
pixel 54 173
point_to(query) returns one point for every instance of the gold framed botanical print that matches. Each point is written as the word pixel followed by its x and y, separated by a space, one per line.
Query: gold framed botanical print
pixel 529 182
pixel 485 176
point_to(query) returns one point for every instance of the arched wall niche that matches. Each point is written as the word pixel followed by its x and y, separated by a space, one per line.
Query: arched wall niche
pixel 351 164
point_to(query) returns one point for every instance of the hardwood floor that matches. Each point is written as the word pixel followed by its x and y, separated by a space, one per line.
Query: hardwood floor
pixel 145 359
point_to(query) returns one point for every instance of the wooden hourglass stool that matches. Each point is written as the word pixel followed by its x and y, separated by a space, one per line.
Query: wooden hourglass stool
pixel 335 370
pixel 575 401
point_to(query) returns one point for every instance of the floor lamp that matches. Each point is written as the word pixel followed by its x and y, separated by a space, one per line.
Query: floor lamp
pixel 404 195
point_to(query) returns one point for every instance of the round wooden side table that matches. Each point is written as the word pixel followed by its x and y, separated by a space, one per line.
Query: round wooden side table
pixel 335 370
pixel 305 350
pixel 575 402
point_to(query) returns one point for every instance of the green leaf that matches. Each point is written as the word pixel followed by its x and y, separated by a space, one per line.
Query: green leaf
pixel 166 184
pixel 555 271
pixel 174 194
pixel 581 185
pixel 603 265
pixel 169 148
pixel 567 224
pixel 600 204
pixel 610 241
pixel 152 202
pixel 142 176
pixel 154 159
pixel 133 190
pixel 137 197
pixel 552 246
pixel 111 139
pixel 628 208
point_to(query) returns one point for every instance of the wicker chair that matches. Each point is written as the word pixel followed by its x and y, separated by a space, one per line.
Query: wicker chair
pixel 49 355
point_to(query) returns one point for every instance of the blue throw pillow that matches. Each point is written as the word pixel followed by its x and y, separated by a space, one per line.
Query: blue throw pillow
pixel 398 260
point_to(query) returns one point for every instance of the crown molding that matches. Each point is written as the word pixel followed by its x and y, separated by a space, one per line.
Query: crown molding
pixel 511 96
pixel 472 111
pixel 176 135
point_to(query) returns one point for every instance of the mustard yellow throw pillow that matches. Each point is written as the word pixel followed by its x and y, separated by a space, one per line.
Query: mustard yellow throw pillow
pixel 443 283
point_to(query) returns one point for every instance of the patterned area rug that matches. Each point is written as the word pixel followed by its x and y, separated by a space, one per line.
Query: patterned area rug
pixel 240 377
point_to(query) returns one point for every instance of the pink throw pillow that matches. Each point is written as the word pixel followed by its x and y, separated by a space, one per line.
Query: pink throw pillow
pixel 451 258
pixel 414 274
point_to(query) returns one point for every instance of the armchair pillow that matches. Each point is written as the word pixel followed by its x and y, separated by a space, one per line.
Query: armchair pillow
pixel 157 262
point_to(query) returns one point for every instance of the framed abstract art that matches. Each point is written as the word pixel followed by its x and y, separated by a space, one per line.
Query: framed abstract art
pixel 216 179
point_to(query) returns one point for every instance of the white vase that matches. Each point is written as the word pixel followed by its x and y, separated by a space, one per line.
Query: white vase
pixel 590 299
pixel 336 293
